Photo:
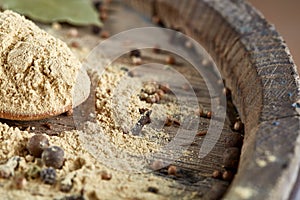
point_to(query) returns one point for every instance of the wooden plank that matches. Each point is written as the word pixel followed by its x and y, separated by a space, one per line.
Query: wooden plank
pixel 252 43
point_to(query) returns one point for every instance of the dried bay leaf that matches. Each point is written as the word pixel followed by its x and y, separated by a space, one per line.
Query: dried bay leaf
pixel 76 12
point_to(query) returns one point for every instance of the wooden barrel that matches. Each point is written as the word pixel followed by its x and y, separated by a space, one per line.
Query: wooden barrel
pixel 258 68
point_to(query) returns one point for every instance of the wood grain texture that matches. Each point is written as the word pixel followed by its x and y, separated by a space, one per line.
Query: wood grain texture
pixel 258 68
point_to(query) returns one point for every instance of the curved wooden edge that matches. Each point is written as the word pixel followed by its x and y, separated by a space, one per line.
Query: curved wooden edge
pixel 257 66
pixel 25 117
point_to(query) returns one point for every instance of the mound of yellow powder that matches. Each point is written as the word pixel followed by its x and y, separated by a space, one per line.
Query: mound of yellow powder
pixel 37 71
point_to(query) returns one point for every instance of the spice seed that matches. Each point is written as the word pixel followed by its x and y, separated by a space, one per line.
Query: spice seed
pixel 105 34
pixel 238 126
pixel 156 49
pixel 231 157
pixel 37 144
pixel 103 16
pixel 53 157
pixel 172 170
pixel 48 175
pixel 209 115
pixel 202 133
pixel 216 174
pixel 170 60
pixel 135 53
pixel 152 189
pixel 106 176
pixel 96 30
pixel 227 176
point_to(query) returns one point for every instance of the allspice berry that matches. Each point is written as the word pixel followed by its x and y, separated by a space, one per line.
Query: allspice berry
pixel 53 157
pixel 37 144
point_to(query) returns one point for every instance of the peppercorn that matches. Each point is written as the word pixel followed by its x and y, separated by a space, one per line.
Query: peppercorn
pixel 37 144
pixel 98 5
pixel 227 176
pixel 104 34
pixel 103 16
pixel 135 53
pixel 53 157
pixel 209 114
pixel 96 30
pixel 216 174
pixel 234 140
pixel 231 157
pixel 170 60
pixel 202 133
pixel 172 170
pixel 156 49
pixel 152 189
pixel 105 176
pixel 48 175
pixel 238 126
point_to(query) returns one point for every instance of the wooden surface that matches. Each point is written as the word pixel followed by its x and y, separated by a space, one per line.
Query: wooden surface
pixel 257 66
pixel 287 23
pixel 195 174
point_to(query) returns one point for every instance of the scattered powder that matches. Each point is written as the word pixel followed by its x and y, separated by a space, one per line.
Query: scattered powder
pixel 80 169
pixel 99 147
pixel 37 71
pixel 118 110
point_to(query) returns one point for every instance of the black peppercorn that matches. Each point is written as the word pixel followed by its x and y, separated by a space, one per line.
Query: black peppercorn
pixel 135 53
pixel 48 175
pixel 53 157
pixel 152 189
